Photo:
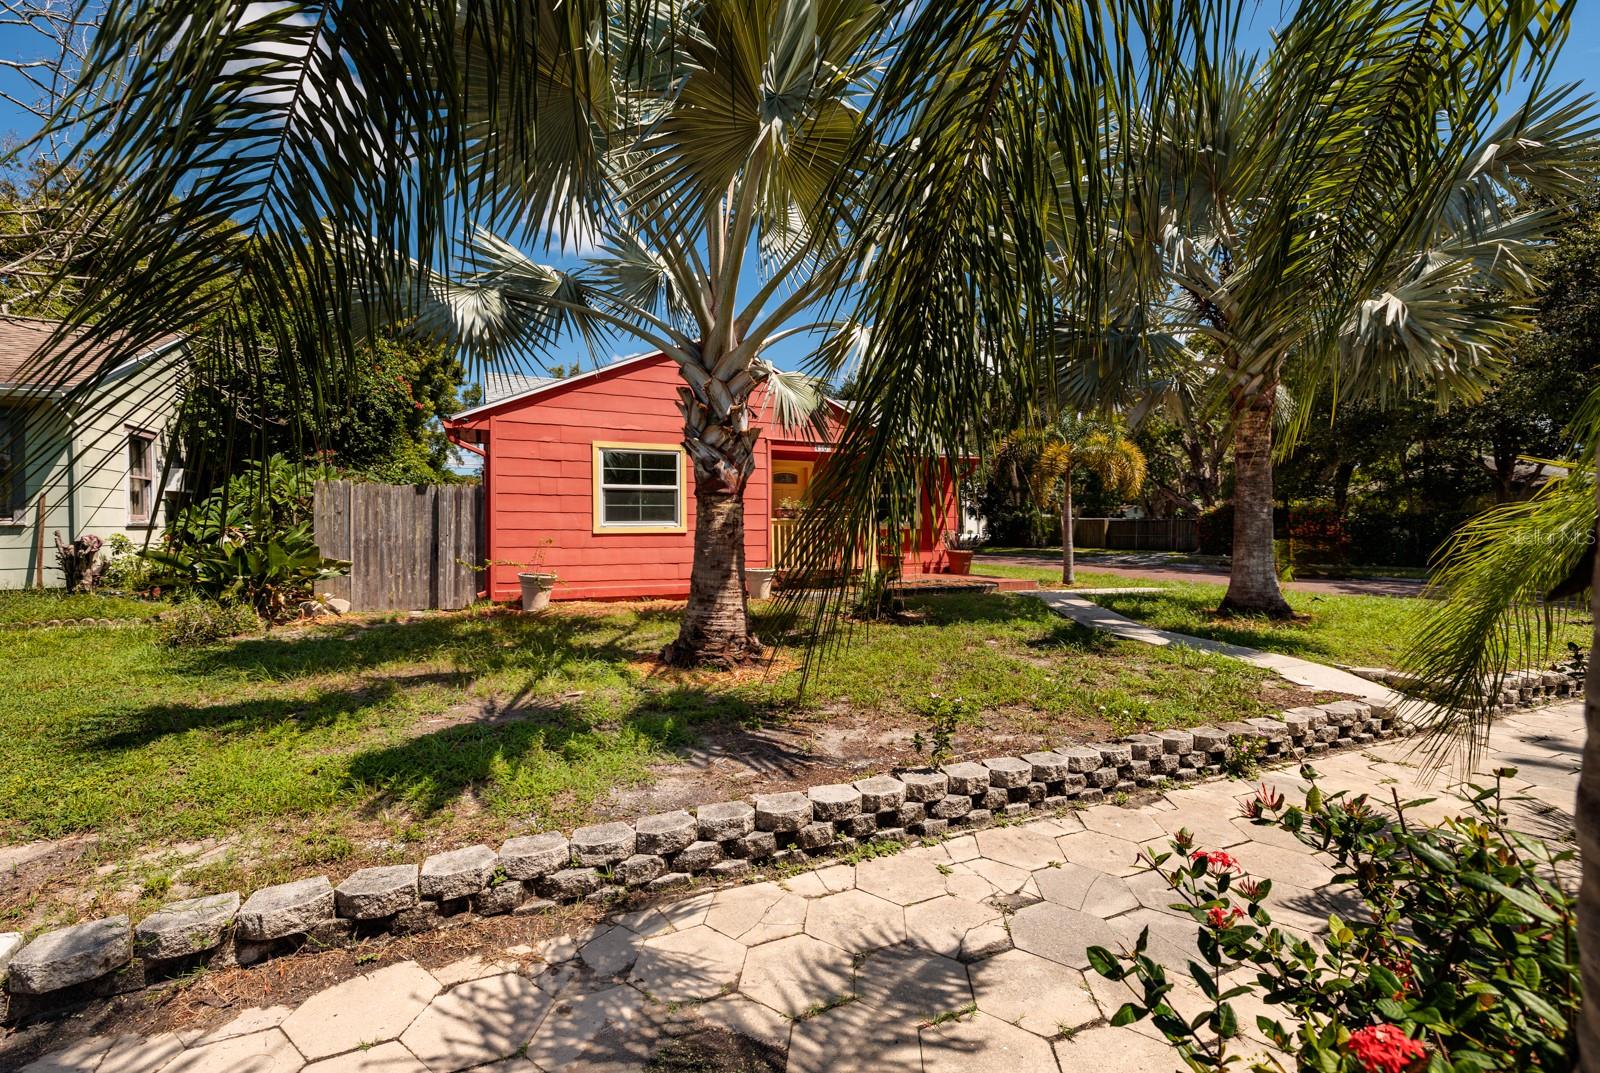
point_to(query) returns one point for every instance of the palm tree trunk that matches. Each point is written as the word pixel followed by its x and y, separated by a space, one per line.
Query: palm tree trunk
pixel 716 622
pixel 716 433
pixel 1253 578
pixel 1586 818
pixel 1066 529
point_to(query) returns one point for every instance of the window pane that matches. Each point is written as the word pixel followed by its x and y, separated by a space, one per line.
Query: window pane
pixel 658 468
pixel 641 508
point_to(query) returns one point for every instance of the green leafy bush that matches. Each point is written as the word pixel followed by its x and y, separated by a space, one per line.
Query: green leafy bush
pixel 126 569
pixel 1463 958
pixel 250 543
pixel 942 716
pixel 202 622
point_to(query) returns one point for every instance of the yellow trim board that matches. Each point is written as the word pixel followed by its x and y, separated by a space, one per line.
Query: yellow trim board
pixel 600 526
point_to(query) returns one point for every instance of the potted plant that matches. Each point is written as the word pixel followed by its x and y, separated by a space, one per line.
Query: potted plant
pixel 958 553
pixel 536 582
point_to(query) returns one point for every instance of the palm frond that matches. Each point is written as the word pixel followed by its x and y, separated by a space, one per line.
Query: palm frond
pixel 1491 611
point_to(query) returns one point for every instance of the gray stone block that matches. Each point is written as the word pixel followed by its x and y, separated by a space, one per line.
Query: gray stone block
pixel 1016 809
pixel 881 793
pixel 976 820
pixel 457 873
pixel 186 928
pixel 666 833
pixel 1175 742
pixel 994 798
pixel 782 812
pixel 967 779
pixel 908 814
pixel 533 856
pixel 834 802
pixel 1209 739
pixel 640 869
pixel 725 820
pixel 502 897
pixel 858 826
pixel 374 893
pixel 670 881
pixel 925 786
pixel 70 956
pixel 285 909
pixel 889 834
pixel 602 844
pixel 1105 777
pixel 735 869
pixel 950 807
pixel 697 857
pixel 755 846
pixel 570 883
pixel 10 943
pixel 1144 746
pixel 1081 761
pixel 930 828
pixel 424 916
pixel 814 835
pixel 1009 772
pixel 1047 767
pixel 1114 754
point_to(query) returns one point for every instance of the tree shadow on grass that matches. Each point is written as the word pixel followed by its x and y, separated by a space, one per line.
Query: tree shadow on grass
pixel 1268 635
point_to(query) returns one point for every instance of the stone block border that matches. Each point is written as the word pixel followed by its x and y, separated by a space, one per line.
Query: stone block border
pixel 721 841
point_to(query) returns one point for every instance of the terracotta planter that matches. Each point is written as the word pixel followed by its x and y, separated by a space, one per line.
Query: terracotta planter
pixel 758 582
pixel 960 561
pixel 536 590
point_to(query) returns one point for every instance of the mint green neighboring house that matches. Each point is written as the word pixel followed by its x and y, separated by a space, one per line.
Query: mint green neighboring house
pixel 80 447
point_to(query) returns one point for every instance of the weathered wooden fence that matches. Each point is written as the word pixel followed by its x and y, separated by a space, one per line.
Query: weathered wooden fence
pixel 406 543
pixel 1137 534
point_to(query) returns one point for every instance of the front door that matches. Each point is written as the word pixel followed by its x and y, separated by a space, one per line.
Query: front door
pixel 791 490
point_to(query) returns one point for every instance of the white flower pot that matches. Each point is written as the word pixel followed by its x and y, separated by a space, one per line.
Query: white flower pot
pixel 536 590
pixel 758 582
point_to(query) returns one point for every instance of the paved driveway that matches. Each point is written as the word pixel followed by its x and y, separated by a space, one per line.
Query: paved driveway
pixel 1160 567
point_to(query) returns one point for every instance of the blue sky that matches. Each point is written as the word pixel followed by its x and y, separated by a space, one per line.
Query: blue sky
pixel 1578 63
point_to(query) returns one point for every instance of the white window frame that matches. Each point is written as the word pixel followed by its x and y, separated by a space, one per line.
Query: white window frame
pixel 601 525
pixel 151 509
pixel 16 431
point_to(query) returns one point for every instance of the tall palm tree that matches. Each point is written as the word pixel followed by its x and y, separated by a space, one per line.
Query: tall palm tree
pixel 1070 445
pixel 706 152
pixel 735 166
pixel 1423 294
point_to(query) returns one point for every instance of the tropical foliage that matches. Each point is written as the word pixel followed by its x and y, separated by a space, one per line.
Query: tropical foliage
pixel 1460 958
pixel 249 544
pixel 1075 445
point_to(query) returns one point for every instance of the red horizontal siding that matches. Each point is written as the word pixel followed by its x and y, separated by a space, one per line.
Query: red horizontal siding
pixel 541 485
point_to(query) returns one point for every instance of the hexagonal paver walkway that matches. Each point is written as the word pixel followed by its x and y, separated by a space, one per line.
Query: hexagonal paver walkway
pixel 957 957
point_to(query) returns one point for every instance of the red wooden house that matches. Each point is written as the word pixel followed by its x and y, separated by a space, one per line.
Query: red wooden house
pixel 586 478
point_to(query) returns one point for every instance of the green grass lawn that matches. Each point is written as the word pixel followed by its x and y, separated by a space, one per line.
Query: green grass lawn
pixel 1360 631
pixel 321 741
pixel 26 606
pixel 1050 576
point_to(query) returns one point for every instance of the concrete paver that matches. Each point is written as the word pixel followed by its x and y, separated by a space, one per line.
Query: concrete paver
pixel 796 974
pixel 1032 992
pixel 388 1057
pixel 984 1042
pixel 360 1012
pixel 876 966
pixel 856 921
pixel 683 966
pixel 477 1022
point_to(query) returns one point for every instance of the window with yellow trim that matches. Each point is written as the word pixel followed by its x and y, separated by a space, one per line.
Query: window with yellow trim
pixel 640 488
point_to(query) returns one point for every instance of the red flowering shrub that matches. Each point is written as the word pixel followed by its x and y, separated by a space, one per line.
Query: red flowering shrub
pixel 1384 1049
pixel 1460 959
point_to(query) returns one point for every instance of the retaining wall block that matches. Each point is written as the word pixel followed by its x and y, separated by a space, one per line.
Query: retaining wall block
pixel 665 833
pixel 535 856
pixel 602 844
pixel 834 802
pixel 1009 772
pixel 881 793
pixel 67 957
pixel 782 812
pixel 725 820
pixel 186 928
pixel 286 909
pixel 458 873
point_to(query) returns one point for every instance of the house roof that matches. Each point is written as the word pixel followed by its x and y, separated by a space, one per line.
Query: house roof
pixel 23 338
pixel 531 387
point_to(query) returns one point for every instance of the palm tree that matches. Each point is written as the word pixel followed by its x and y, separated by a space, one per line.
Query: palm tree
pixel 1424 296
pixel 1069 445
pixel 705 155
pixel 734 169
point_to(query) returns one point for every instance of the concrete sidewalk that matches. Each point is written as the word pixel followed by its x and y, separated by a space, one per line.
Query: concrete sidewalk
pixel 1147 566
pixel 964 955
pixel 1301 672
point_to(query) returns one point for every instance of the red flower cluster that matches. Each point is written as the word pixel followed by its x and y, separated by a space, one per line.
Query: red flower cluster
pixel 1223 918
pixel 1217 861
pixel 1385 1049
